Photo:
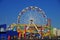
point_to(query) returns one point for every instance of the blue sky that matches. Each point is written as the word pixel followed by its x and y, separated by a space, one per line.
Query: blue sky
pixel 9 10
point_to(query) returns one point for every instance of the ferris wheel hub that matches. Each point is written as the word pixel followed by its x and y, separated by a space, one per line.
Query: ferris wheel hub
pixel 31 21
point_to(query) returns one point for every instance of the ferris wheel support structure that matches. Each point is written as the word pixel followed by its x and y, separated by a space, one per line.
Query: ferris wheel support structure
pixel 39 10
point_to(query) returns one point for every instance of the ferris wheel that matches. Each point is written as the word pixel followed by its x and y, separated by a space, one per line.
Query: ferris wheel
pixel 32 12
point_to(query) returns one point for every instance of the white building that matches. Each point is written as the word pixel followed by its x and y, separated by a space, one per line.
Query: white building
pixel 56 32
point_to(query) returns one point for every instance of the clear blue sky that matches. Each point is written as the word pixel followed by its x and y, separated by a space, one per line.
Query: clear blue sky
pixel 9 10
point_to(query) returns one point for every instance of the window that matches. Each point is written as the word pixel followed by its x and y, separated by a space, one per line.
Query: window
pixel 2 30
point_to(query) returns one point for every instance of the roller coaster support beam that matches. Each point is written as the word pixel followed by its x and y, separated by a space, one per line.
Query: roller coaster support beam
pixel 49 22
pixel 19 35
pixel 25 32
pixel 9 38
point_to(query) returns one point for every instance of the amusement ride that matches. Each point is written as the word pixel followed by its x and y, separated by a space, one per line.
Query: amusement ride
pixel 32 22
